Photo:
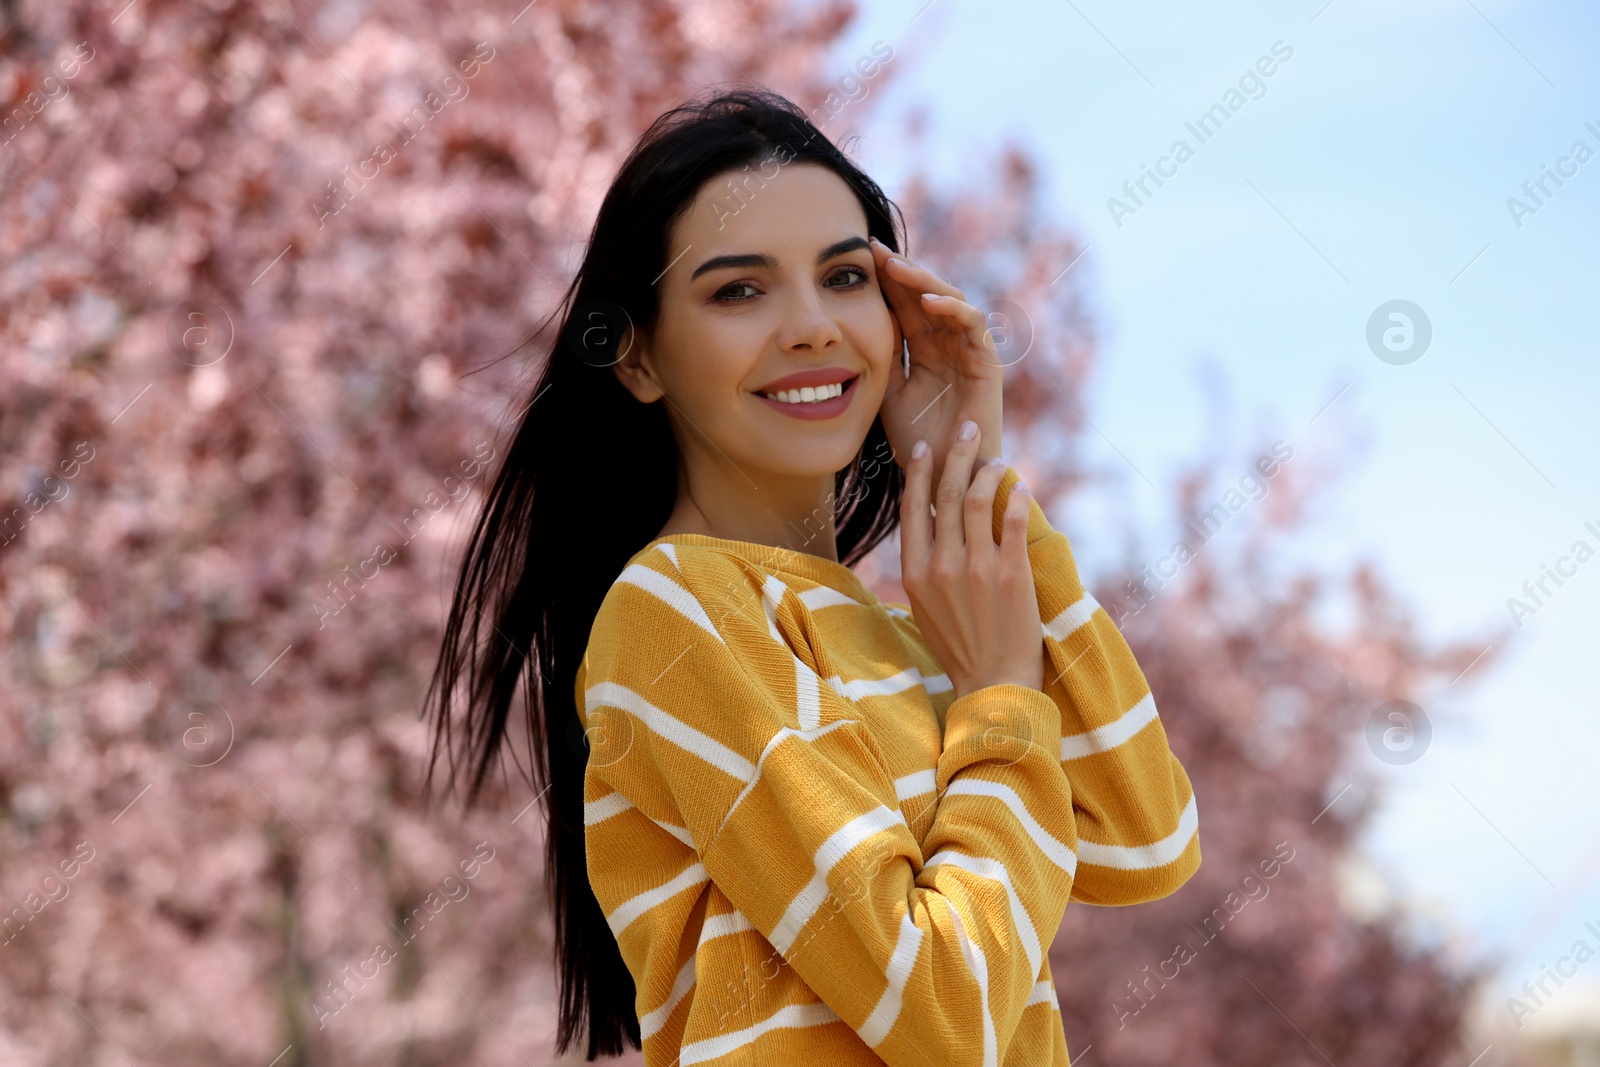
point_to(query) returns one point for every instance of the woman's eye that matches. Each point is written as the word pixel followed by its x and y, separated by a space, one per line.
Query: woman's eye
pixel 845 273
pixel 726 293
pixel 853 276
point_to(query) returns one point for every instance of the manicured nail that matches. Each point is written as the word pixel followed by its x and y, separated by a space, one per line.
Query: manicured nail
pixel 919 450
pixel 969 430
pixel 897 259
pixel 930 296
pixel 998 461
pixel 1019 486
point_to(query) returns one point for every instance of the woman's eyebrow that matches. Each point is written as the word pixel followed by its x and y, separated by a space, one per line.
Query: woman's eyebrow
pixel 761 259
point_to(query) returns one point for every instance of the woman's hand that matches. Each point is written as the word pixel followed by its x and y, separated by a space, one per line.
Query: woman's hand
pixel 956 371
pixel 973 600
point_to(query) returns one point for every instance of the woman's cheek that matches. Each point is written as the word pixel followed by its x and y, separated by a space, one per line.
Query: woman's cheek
pixel 733 353
pixel 877 337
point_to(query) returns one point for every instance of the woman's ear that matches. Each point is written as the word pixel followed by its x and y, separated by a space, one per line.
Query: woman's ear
pixel 634 370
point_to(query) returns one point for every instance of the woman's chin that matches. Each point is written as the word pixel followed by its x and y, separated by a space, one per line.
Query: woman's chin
pixel 803 457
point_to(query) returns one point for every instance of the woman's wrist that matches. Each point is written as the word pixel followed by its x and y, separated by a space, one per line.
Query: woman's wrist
pixel 1010 678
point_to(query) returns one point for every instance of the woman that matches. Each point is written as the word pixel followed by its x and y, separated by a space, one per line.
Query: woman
pixel 786 818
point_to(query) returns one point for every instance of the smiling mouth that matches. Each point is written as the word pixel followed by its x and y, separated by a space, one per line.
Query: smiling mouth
pixel 809 394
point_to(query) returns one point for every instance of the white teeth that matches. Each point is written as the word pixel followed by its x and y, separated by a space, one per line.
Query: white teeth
pixel 807 395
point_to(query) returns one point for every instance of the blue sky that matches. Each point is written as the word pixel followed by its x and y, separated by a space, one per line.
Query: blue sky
pixel 1376 165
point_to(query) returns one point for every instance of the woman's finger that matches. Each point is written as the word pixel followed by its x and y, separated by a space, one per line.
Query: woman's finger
pixel 914 525
pixel 978 507
pixel 965 319
pixel 921 280
pixel 903 301
pixel 904 283
pixel 1017 568
pixel 1014 531
pixel 949 538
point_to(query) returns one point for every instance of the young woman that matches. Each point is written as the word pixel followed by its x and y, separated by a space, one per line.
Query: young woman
pixel 785 817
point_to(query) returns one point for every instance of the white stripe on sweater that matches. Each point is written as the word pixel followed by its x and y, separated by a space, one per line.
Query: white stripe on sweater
pixel 598 811
pixel 795 1015
pixel 901 963
pixel 680 733
pixel 808 695
pixel 1056 852
pixel 1144 857
pixel 980 970
pixel 827 597
pixel 914 784
pixel 815 892
pixel 995 871
pixel 676 596
pixel 1062 626
pixel 875 687
pixel 676 831
pixel 772 591
pixel 652 1021
pixel 630 909
pixel 807 686
pixel 611 804
pixel 1112 734
pixel 713 927
pixel 731 922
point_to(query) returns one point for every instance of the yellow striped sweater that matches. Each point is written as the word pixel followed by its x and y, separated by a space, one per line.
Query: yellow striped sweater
pixel 806 846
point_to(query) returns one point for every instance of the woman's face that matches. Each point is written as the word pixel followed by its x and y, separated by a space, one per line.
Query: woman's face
pixel 759 290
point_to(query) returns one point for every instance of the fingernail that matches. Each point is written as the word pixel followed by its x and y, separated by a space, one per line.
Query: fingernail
pixel 998 461
pixel 969 430
pixel 930 296
pixel 1019 486
pixel 919 449
pixel 897 259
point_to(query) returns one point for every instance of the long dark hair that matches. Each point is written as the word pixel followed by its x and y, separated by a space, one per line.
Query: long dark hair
pixel 588 480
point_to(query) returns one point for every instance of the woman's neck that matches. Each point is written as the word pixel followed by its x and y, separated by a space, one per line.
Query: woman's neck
pixel 815 537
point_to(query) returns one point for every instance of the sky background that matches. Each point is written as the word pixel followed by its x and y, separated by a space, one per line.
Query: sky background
pixel 1376 166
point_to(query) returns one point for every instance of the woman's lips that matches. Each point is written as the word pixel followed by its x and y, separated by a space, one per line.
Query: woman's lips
pixel 816 409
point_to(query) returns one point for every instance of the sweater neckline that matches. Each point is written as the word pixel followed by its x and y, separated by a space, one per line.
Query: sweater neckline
pixel 782 560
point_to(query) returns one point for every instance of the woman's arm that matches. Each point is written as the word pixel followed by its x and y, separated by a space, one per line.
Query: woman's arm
pixel 1135 806
pixel 1138 830
pixel 792 813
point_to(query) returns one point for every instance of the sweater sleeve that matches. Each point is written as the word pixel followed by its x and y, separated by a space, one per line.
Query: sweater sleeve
pixel 1138 829
pixel 791 812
